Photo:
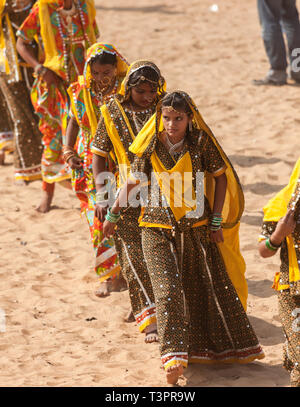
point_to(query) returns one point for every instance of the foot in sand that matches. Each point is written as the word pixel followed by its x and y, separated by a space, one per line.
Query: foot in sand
pixel 104 289
pixel 151 333
pixel 129 317
pixel 20 183
pixel 173 373
pixel 111 285
pixel 45 204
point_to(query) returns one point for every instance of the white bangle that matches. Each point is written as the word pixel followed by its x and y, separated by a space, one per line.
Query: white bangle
pixel 101 195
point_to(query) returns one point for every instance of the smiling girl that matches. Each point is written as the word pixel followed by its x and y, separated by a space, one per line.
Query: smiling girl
pixel 120 122
pixel 103 74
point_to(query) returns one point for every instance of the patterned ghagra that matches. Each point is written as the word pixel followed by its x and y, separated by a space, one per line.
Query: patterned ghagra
pixel 107 265
pixel 199 315
pixel 18 123
pixel 128 237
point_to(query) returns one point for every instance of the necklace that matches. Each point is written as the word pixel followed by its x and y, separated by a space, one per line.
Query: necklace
pixel 172 147
pixel 140 117
pixel 102 98
pixel 67 38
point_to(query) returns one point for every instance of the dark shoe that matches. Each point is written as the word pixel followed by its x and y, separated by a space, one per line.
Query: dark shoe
pixel 268 81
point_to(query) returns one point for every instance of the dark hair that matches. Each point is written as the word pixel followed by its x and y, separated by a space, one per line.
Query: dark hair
pixel 147 72
pixel 177 101
pixel 105 58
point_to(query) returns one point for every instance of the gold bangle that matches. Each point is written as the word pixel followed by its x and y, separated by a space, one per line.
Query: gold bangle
pixel 68 155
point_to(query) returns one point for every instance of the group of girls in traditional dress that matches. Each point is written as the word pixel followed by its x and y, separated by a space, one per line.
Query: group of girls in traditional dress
pixel 181 263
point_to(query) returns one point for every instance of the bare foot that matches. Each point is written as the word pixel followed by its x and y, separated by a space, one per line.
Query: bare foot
pixel 45 204
pixel 2 157
pixel 173 373
pixel 118 284
pixel 110 285
pixel 129 317
pixel 20 183
pixel 103 290
pixel 151 333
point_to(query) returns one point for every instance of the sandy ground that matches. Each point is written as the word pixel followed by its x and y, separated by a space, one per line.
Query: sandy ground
pixel 58 333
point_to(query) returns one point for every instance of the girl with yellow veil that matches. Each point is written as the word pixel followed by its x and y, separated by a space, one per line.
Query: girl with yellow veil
pixel 65 29
pixel 191 258
pixel 120 121
pixel 281 229
pixel 103 74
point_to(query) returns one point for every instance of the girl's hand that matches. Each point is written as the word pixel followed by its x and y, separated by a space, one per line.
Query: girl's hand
pixel 285 227
pixel 108 228
pixel 75 163
pixel 216 237
pixel 100 212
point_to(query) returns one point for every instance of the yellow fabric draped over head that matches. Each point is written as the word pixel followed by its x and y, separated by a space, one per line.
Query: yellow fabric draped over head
pixel 96 50
pixel 135 66
pixel 4 64
pixel 275 209
pixel 52 60
pixel 234 199
pixel 121 154
pixel 86 79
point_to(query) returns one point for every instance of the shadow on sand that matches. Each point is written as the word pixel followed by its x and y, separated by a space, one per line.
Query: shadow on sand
pixel 159 8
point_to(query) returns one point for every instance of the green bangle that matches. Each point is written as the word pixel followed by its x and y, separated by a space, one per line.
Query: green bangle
pixel 270 246
pixel 112 217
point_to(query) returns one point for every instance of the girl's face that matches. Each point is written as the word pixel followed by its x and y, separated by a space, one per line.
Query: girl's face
pixel 103 74
pixel 144 95
pixel 175 123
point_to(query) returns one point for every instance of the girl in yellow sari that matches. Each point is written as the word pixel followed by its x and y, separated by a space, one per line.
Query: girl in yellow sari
pixel 190 240
pixel 281 229
pixel 103 74
pixel 120 122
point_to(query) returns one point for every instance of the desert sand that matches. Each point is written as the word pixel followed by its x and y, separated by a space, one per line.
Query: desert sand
pixel 58 333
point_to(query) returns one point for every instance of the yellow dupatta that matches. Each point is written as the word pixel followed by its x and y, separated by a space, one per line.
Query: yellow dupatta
pixel 4 64
pixel 120 152
pixel 85 80
pixel 234 199
pixel 135 66
pixel 275 209
pixel 52 60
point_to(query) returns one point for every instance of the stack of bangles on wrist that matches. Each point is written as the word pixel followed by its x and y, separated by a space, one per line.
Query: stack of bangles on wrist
pixel 215 222
pixel 40 70
pixel 68 152
pixel 271 245
pixel 112 217
pixel 101 198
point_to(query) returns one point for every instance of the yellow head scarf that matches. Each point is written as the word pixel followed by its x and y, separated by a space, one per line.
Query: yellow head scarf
pixel 135 66
pixel 275 209
pixel 96 50
pixel 52 60
pixel 234 199
pixel 85 79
